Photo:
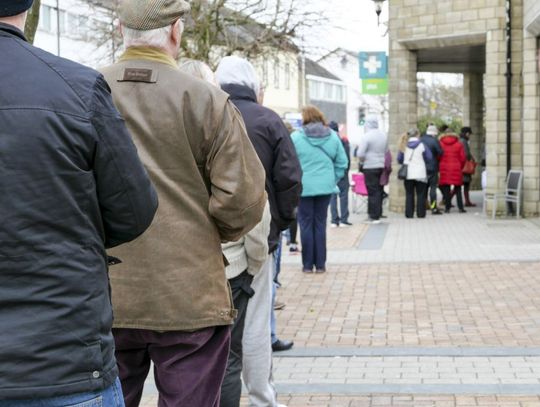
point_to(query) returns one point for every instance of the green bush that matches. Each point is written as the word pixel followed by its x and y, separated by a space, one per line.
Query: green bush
pixel 455 124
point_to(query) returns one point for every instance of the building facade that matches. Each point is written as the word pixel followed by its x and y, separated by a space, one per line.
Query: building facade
pixel 470 37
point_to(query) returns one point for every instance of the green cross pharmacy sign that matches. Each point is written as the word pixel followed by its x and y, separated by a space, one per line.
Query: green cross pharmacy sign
pixel 373 72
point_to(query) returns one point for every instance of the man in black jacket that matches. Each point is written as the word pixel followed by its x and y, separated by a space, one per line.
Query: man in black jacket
pixel 72 185
pixel 276 151
pixel 432 167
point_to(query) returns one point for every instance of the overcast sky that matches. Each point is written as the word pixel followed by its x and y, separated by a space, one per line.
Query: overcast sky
pixel 352 25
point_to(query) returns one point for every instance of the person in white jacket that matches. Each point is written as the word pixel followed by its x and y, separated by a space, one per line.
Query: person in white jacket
pixel 415 157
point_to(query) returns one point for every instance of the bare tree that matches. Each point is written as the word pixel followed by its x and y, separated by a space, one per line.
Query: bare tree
pixel 32 21
pixel 216 28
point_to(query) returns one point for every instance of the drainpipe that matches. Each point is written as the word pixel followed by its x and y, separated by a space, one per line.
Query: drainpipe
pixel 508 75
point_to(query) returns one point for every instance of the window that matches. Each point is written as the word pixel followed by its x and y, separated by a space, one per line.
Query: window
pixel 62 21
pixel 328 91
pixel 340 93
pixel 287 76
pixel 315 89
pixel 276 74
pixel 265 73
pixel 45 18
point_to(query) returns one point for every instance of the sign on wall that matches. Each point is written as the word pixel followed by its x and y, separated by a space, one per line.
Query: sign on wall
pixel 373 65
pixel 374 73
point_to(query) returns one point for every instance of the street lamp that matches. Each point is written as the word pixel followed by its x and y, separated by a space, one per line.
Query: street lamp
pixel 378 8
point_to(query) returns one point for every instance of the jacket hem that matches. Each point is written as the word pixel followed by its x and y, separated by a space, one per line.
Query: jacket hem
pixel 168 326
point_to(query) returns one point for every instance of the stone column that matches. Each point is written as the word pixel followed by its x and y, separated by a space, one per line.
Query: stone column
pixel 403 106
pixel 531 127
pixel 473 116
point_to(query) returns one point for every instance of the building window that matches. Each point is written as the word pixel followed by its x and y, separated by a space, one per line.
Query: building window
pixel 265 73
pixel 45 18
pixel 328 91
pixel 287 76
pixel 276 74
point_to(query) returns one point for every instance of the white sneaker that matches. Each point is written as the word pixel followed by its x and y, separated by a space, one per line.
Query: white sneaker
pixel 280 405
pixel 333 225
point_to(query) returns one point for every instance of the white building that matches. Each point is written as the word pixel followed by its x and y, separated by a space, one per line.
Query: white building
pixel 82 31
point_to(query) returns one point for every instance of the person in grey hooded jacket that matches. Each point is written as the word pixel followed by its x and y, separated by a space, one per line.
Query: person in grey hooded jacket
pixel 371 151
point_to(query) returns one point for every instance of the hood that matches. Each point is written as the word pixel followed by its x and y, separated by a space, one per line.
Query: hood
pixel 372 123
pixel 318 133
pixel 233 70
pixel 449 139
pixel 413 142
pixel 239 92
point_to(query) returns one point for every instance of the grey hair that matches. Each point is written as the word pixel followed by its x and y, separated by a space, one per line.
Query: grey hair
pixel 199 70
pixel 149 38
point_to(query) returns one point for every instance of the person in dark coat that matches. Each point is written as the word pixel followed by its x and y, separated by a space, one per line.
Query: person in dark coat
pixel 432 166
pixel 72 185
pixel 464 137
pixel 451 165
pixel 275 149
pixel 341 217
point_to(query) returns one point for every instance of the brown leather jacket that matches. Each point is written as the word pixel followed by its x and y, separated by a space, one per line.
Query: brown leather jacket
pixel 210 184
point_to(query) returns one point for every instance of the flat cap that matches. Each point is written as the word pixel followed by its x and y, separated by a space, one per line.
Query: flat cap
pixel 146 15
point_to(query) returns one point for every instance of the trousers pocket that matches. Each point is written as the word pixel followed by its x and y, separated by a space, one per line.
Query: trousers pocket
pixel 96 402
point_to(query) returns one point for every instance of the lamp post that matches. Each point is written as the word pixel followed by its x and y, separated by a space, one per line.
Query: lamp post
pixel 378 8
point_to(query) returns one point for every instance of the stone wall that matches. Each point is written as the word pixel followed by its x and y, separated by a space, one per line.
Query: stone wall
pixel 422 24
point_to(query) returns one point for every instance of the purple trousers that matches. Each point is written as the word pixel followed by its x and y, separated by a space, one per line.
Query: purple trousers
pixel 188 366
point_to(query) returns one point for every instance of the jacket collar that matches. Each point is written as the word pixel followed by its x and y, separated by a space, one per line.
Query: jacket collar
pixel 149 54
pixel 11 29
pixel 239 92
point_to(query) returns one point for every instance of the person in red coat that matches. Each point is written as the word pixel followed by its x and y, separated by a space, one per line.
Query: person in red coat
pixel 450 167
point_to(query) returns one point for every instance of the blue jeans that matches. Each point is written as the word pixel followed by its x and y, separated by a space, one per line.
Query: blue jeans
pixel 343 186
pixel 312 215
pixel 109 397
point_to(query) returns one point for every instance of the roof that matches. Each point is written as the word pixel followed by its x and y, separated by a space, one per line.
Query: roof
pixel 336 51
pixel 313 68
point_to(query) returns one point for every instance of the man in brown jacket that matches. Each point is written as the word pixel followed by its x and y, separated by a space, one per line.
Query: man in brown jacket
pixel 170 295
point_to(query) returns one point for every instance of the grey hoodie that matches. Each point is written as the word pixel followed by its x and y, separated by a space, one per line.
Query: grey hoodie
pixel 373 145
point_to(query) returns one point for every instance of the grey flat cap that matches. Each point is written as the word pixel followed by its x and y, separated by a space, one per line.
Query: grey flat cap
pixel 146 15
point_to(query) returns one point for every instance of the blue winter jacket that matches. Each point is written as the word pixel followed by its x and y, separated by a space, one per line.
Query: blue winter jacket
pixel 322 158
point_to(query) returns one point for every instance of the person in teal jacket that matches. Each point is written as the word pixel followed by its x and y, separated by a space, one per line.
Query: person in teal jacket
pixel 323 161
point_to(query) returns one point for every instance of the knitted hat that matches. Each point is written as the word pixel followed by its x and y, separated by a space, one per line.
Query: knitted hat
pixel 10 8
pixel 432 130
pixel 144 15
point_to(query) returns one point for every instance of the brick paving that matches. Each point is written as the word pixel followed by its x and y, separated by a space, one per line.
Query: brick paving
pixel 388 326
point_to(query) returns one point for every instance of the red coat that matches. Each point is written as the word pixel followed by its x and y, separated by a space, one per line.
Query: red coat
pixel 452 160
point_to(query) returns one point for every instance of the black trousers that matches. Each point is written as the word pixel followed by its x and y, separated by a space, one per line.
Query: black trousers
pixel 231 388
pixel 372 178
pixel 415 189
pixel 448 197
pixel 433 182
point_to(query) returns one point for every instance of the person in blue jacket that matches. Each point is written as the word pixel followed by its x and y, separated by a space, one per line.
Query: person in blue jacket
pixel 323 161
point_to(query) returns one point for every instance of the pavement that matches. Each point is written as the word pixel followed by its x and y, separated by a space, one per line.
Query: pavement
pixel 442 311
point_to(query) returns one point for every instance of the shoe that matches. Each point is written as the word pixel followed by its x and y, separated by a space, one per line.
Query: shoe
pixel 470 205
pixel 436 212
pixel 323 270
pixel 346 224
pixel 462 211
pixel 334 225
pixel 370 221
pixel 447 211
pixel 293 248
pixel 281 405
pixel 280 345
pixel 279 305
pixel 384 216
pixel 307 270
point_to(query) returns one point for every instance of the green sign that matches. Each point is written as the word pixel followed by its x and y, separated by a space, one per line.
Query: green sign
pixel 375 86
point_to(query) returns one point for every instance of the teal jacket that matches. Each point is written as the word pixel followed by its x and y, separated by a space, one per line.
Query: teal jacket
pixel 322 158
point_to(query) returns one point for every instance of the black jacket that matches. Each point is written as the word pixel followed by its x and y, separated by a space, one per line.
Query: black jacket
pixel 71 184
pixel 430 142
pixel 276 151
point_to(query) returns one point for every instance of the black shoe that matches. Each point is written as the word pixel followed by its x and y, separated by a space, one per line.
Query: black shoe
pixel 436 212
pixel 346 223
pixel 447 211
pixel 462 211
pixel 280 345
